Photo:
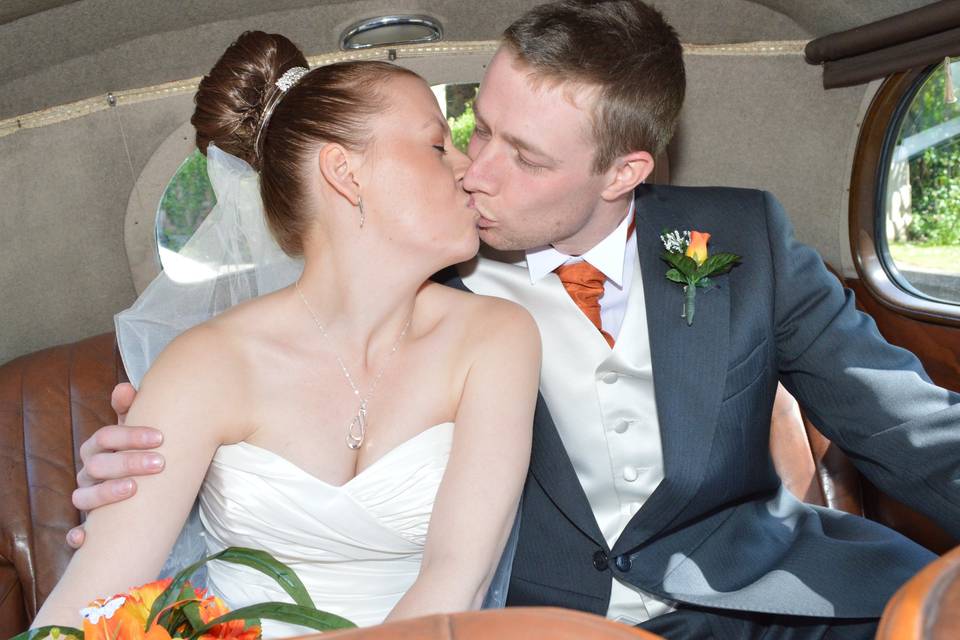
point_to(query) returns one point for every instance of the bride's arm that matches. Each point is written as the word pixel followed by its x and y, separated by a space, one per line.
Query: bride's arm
pixel 477 499
pixel 185 395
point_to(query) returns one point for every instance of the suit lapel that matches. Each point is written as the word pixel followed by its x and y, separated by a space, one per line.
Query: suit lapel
pixel 551 467
pixel 689 367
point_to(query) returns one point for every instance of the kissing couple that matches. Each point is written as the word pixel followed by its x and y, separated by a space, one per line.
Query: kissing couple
pixel 372 427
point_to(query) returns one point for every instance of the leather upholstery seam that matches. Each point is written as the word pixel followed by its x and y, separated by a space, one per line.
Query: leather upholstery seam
pixel 26 472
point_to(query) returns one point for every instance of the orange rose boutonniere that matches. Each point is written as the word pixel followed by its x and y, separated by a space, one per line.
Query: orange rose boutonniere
pixel 692 265
pixel 172 609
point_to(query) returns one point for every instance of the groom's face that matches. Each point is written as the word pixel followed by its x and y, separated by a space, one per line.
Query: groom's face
pixel 531 176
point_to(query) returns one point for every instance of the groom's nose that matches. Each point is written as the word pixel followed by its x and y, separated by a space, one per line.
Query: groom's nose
pixel 459 161
pixel 479 176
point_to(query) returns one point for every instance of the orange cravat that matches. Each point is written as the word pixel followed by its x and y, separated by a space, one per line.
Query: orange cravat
pixel 584 283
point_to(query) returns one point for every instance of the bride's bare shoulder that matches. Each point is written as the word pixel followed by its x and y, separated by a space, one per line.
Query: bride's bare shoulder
pixel 482 318
pixel 215 358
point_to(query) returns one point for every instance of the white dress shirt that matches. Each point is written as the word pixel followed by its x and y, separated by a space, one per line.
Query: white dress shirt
pixel 614 256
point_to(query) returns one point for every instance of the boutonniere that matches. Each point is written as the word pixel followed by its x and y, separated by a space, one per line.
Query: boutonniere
pixel 692 266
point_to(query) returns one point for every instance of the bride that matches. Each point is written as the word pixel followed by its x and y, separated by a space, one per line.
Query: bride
pixel 331 421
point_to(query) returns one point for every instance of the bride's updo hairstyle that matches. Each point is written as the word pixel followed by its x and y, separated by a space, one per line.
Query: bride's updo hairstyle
pixel 332 103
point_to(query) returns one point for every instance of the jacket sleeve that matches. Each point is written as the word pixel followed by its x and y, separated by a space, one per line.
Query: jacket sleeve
pixel 871 398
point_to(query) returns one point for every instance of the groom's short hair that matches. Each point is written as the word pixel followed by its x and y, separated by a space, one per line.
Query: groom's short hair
pixel 622 48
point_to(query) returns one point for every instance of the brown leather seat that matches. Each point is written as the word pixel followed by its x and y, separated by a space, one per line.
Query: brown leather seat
pixel 52 400
pixel 928 606
pixel 818 472
pixel 521 623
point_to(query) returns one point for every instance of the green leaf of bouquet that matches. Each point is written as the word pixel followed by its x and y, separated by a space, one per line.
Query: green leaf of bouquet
pixel 273 568
pixel 174 619
pixel 171 594
pixel 191 612
pixel 675 276
pixel 282 612
pixel 259 560
pixel 42 632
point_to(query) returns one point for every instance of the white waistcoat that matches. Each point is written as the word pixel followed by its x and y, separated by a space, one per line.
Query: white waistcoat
pixel 601 401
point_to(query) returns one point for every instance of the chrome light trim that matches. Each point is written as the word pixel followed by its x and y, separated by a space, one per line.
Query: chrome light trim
pixel 350 36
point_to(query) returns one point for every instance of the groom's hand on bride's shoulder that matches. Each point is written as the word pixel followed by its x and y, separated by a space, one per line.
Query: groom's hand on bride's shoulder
pixel 112 457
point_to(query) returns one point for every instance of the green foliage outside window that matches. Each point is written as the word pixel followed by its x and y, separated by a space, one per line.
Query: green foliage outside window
pixel 934 173
pixel 185 203
pixel 460 99
pixel 462 127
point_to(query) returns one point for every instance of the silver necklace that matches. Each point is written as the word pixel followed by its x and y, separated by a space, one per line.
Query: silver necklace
pixel 358 426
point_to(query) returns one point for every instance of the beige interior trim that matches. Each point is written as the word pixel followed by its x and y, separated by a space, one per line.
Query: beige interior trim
pixel 81 108
pixel 140 223
pixel 758 48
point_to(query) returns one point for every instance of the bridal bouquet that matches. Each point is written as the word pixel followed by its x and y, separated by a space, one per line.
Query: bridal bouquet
pixel 173 608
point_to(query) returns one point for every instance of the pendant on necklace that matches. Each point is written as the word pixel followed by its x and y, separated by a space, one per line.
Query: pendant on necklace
pixel 358 427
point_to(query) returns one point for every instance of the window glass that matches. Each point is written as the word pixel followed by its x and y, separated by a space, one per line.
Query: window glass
pixel 922 199
pixel 456 102
pixel 186 201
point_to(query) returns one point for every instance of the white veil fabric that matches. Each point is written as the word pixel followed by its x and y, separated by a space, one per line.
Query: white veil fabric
pixel 231 257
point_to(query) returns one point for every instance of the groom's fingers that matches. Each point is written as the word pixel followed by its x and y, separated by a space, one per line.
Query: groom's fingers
pixel 118 438
pixel 121 399
pixel 102 494
pixel 114 465
pixel 75 537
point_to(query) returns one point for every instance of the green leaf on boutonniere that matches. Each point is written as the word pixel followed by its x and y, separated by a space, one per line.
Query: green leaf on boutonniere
pixel 718 264
pixel 684 264
pixel 675 276
pixel 685 269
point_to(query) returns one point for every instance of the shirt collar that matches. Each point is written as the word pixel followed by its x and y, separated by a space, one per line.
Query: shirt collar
pixel 607 255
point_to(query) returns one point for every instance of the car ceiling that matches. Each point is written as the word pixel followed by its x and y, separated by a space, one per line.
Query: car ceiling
pixel 64 50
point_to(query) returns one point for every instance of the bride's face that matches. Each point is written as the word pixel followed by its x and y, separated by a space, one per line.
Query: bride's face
pixel 415 176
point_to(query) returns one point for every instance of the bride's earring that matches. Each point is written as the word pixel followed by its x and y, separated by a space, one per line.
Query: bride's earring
pixel 363 214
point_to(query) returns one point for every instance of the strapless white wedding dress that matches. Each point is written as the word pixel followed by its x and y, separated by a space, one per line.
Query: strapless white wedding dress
pixel 357 547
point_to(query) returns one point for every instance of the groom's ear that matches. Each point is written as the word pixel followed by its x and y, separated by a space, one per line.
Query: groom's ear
pixel 626 172
pixel 337 171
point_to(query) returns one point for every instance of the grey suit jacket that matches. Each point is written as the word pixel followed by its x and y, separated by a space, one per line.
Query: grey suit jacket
pixel 720 530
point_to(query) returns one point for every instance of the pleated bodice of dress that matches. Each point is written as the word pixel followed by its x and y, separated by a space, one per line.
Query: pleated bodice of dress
pixel 356 547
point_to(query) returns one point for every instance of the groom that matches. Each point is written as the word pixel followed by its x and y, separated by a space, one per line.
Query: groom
pixel 652 498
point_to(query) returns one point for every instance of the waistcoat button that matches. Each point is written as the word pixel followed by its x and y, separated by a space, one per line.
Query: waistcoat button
pixel 630 474
pixel 609 377
pixel 600 560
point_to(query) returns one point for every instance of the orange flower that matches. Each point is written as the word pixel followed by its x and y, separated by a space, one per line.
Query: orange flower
pixel 124 617
pixel 697 249
pixel 213 607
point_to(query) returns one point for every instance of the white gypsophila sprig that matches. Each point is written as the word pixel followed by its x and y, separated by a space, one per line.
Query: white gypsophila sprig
pixel 675 241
